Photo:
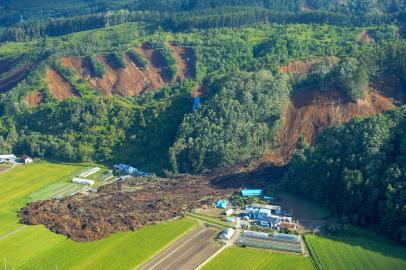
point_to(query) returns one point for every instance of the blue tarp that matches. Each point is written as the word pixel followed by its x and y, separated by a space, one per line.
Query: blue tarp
pixel 196 102
pixel 251 192
pixel 222 203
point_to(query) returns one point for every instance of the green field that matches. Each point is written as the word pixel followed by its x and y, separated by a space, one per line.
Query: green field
pixel 35 247
pixel 361 252
pixel 244 258
pixel 17 185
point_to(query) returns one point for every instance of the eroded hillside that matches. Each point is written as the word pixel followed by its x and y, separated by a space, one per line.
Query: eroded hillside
pixel 134 79
pixel 310 112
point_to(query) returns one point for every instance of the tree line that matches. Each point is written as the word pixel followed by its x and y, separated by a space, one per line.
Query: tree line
pixel 188 21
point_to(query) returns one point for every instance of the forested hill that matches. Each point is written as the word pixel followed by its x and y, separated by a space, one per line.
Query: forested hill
pixel 359 171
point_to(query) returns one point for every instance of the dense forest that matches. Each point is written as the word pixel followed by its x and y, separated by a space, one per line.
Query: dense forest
pixel 240 121
pixel 191 15
pixel 358 170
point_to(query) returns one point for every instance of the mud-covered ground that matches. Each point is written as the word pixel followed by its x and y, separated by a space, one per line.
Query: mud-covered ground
pixel 133 203
pixel 122 206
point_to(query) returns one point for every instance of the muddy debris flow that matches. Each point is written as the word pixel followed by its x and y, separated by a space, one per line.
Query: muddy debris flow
pixel 122 206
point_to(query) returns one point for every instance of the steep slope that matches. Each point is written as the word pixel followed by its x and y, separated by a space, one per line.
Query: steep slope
pixel 299 67
pixel 310 112
pixel 133 80
pixel 34 98
pixel 13 79
pixel 59 87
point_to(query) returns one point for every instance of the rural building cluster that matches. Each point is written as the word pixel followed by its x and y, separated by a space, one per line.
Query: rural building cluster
pixel 260 225
pixel 11 158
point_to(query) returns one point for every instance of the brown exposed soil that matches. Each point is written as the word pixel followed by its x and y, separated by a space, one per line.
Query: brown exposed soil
pixel 299 67
pixel 133 80
pixel 365 36
pixel 12 80
pixel 310 112
pixel 122 206
pixel 157 62
pixel 59 87
pixel 185 59
pixel 34 98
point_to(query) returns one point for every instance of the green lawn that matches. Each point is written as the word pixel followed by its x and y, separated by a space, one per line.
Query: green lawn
pixel 356 252
pixel 35 247
pixel 244 258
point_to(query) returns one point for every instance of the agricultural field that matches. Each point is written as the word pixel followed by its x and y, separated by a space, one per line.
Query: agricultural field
pixel 20 182
pixel 244 258
pixel 35 247
pixel 363 251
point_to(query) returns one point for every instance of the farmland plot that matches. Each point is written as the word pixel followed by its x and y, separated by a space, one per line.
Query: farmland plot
pixel 244 258
pixel 342 253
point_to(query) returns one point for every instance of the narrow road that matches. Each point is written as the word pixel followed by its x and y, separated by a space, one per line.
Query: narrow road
pixel 186 253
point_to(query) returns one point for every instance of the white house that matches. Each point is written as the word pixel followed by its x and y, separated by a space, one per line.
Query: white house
pixel 26 159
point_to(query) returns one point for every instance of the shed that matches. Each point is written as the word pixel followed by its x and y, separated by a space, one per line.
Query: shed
pixel 251 192
pixel 26 159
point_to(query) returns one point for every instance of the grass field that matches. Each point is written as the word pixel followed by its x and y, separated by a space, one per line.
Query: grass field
pixel 119 251
pixel 244 258
pixel 16 186
pixel 35 247
pixel 363 251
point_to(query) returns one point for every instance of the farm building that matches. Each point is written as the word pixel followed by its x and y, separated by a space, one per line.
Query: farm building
pixel 251 192
pixel 7 158
pixel 26 159
pixel 288 226
pixel 271 222
pixel 85 182
pixel 228 212
pixel 127 169
pixel 227 234
pixel 222 203
pixel 277 241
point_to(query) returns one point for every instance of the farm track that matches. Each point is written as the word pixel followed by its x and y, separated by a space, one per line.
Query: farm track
pixel 186 253
pixel 4 236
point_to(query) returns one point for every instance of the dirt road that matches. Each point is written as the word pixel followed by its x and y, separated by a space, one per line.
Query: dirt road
pixel 186 253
